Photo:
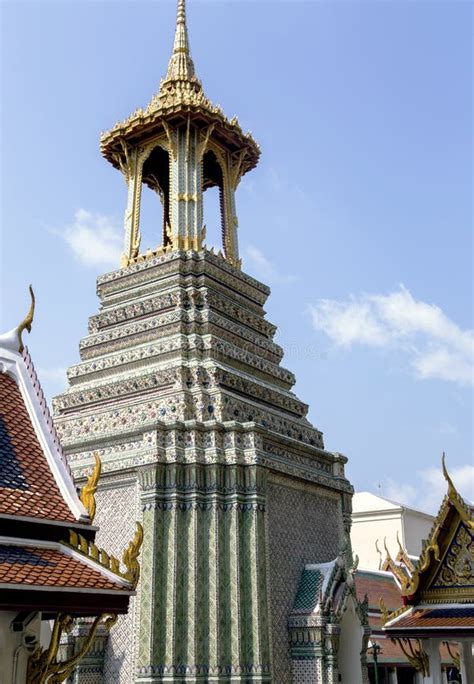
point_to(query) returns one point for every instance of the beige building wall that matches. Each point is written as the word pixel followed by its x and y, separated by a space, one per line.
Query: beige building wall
pixel 376 518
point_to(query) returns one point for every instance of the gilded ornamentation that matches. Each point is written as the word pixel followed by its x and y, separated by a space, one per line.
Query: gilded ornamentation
pixel 458 565
pixel 88 491
pixel 416 655
pixel 130 557
pixel 456 657
pixel 431 554
pixel 171 141
pixel 383 610
pixel 27 322
pixel 379 553
pixel 456 500
pixel 204 139
pixel 205 128
pixel 402 556
pixel 398 572
pixel 43 666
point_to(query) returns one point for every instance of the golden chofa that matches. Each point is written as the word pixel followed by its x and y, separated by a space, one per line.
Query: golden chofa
pixel 180 146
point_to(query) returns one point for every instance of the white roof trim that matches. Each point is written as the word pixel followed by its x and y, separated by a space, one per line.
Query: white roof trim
pixel 325 569
pixel 67 551
pixel 75 590
pixel 389 623
pixel 371 571
pixel 20 368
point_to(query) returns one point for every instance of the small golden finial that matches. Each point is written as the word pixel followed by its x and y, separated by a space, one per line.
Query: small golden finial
pixel 130 556
pixel 383 610
pixel 386 549
pixel 400 547
pixel 181 65
pixel 456 499
pixel 88 491
pixel 26 323
pixel 451 487
pixel 379 552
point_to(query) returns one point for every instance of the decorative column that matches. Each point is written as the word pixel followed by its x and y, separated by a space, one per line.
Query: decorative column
pixel 131 170
pixel 203 613
pixel 332 652
pixel 186 213
pixel 431 648
pixel 467 661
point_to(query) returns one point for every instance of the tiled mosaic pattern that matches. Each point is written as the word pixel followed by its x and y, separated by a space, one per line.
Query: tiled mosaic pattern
pixel 306 672
pixel 304 526
pixel 180 378
pixel 117 511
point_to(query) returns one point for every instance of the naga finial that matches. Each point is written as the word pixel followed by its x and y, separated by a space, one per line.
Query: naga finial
pixel 383 610
pixel 26 323
pixel 400 547
pixel 451 487
pixel 379 552
pixel 386 548
pixel 130 556
pixel 88 491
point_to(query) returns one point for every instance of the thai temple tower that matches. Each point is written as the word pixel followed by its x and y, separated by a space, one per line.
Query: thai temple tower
pixel 181 393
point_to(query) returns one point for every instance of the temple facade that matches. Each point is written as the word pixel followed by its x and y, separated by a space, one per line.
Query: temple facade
pixel 181 392
pixel 54 579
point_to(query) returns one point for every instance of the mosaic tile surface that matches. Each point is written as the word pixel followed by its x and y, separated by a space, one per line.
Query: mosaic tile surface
pixel 180 391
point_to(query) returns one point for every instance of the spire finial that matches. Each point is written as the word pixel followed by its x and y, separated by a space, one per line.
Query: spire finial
pixel 451 488
pixel 26 323
pixel 12 340
pixel 181 67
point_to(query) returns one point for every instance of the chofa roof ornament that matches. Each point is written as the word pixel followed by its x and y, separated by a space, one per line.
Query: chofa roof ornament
pixel 12 340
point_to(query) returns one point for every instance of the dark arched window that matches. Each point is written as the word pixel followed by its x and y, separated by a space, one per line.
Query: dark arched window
pixel 156 174
pixel 213 178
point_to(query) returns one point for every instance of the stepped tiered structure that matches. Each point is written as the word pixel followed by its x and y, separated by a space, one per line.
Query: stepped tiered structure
pixel 181 393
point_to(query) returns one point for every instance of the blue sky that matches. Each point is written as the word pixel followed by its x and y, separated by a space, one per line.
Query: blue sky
pixel 358 216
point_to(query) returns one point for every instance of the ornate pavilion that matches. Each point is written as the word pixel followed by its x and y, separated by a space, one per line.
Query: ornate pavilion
pixel 181 391
pixel 52 575
pixel 437 594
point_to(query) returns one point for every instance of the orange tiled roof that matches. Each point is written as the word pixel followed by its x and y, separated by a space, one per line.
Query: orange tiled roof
pixel 392 653
pixel 34 567
pixel 459 617
pixel 27 485
pixel 376 585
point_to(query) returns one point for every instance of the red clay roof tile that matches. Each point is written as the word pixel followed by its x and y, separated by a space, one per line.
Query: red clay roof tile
pixel 27 485
pixel 50 567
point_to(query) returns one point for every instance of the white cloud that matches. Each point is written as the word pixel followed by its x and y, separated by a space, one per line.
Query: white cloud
pixel 435 346
pixel 94 239
pixel 430 488
pixel 264 268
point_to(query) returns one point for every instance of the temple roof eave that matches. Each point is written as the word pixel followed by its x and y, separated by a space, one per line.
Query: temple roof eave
pixel 143 125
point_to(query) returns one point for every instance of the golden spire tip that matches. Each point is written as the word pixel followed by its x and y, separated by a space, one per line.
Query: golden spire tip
pixel 27 322
pixel 451 487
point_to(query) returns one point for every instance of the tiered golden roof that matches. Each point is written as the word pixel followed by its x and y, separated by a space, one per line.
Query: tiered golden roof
pixel 180 94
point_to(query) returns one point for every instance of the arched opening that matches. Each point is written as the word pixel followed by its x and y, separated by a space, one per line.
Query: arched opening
pixel 213 204
pixel 350 646
pixel 156 175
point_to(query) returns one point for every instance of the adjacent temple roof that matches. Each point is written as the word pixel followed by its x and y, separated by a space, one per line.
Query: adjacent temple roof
pixel 437 592
pixel 380 585
pixel 180 94
pixel 47 554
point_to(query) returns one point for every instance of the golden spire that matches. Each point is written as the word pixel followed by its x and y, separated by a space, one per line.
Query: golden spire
pixel 88 491
pixel 181 67
pixel 26 323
